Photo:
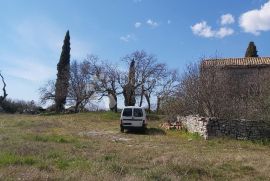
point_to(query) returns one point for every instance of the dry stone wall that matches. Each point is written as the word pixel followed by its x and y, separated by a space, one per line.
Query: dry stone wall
pixel 214 127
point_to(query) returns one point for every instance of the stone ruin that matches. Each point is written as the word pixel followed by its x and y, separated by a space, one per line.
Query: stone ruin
pixel 215 127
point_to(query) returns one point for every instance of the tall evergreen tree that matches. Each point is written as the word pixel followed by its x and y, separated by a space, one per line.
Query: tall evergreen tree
pixel 251 50
pixel 129 88
pixel 63 75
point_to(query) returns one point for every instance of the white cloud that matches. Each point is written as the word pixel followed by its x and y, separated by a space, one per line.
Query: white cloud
pixel 138 24
pixel 127 38
pixel 152 23
pixel 227 19
pixel 257 20
pixel 223 32
pixel 204 30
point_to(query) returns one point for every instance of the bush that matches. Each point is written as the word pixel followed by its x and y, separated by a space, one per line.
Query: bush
pixel 9 106
pixel 19 106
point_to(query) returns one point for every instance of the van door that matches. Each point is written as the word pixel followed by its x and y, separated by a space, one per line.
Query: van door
pixel 127 117
pixel 138 117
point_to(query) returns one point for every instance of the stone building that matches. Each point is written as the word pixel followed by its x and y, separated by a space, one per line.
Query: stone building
pixel 247 73
pixel 243 66
pixel 235 82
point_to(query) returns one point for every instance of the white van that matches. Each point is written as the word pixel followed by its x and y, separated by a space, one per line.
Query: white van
pixel 133 117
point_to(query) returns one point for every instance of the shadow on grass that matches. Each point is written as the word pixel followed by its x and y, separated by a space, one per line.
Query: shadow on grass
pixel 148 131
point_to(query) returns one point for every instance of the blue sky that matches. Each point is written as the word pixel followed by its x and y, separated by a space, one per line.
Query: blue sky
pixel 177 32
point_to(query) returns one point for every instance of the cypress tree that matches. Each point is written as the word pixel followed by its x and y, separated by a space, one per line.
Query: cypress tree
pixel 62 81
pixel 251 50
pixel 129 88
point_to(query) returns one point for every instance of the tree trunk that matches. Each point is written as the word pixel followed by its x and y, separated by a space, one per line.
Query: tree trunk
pixel 147 97
pixel 142 93
pixel 158 104
pixel 129 95
pixel 77 107
pixel 114 108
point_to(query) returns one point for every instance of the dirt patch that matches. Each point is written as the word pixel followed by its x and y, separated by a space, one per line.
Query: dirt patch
pixel 110 135
pixel 96 133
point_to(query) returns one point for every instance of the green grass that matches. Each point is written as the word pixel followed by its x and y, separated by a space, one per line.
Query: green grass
pixel 7 159
pixel 184 135
pixel 89 146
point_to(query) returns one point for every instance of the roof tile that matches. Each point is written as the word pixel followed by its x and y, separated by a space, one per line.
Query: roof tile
pixel 249 61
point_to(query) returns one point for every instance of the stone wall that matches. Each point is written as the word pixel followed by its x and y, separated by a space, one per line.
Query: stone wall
pixel 214 127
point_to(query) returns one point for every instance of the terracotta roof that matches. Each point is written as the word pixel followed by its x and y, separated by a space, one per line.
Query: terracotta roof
pixel 236 62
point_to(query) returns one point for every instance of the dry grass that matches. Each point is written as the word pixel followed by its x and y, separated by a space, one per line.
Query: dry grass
pixel 89 147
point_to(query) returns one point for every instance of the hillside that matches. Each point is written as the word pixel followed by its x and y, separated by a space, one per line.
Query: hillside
pixel 89 146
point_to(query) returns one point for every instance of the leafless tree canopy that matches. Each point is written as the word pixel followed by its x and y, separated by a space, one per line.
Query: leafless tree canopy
pixel 107 80
pixel 93 77
pixel 221 92
pixel 47 92
pixel 167 92
pixel 81 87
pixel 147 78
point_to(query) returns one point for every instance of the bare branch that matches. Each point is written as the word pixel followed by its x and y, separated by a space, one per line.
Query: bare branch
pixel 47 92
pixel 2 98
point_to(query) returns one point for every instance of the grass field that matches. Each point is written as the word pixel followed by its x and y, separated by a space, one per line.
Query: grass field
pixel 89 146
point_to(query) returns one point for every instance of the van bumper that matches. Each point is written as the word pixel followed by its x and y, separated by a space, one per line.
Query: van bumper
pixel 132 126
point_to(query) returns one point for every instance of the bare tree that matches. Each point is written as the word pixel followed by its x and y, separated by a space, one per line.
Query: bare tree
pixel 81 87
pixel 107 78
pixel 147 75
pixel 3 97
pixel 153 82
pixel 47 92
pixel 201 90
pixel 109 85
pixel 166 88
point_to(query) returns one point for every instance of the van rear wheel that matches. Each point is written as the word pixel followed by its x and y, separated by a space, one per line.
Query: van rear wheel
pixel 144 129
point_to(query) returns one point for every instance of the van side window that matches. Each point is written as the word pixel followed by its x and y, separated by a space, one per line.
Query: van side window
pixel 127 112
pixel 138 113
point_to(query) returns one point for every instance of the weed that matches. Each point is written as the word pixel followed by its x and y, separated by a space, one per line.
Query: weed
pixel 63 164
pixel 53 138
pixel 12 159
pixel 118 168
pixel 184 134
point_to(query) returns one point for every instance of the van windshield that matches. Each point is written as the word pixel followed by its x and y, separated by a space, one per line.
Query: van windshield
pixel 127 112
pixel 138 112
